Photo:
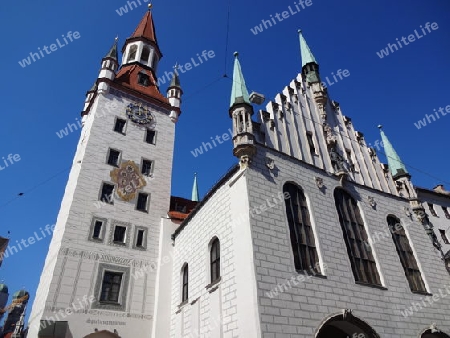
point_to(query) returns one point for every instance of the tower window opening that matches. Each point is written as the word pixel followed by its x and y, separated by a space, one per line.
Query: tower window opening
pixel 444 236
pixel 97 230
pixel 111 287
pixel 120 234
pixel 140 238
pixel 132 53
pixel 142 202
pixel 143 79
pixel 113 157
pixel 312 147
pixel 432 211
pixel 145 54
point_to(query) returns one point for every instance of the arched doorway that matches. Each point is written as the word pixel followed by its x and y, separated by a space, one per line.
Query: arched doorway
pixel 102 334
pixel 434 333
pixel 344 326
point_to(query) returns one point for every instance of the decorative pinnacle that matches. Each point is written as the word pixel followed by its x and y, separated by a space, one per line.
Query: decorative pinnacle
pixel 380 126
pixel 236 54
pixel 117 38
pixel 299 31
pixel 150 6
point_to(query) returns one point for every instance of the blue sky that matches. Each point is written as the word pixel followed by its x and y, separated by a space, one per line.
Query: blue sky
pixel 41 99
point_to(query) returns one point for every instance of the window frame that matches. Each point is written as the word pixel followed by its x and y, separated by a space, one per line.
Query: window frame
pixel 108 300
pixel 185 283
pixel 144 238
pixel 133 49
pixel 143 79
pixel 123 132
pixel 125 237
pixel 311 144
pixel 364 267
pixel 431 209
pixel 101 237
pixel 110 150
pixel 301 232
pixel 214 263
pixel 152 163
pixel 147 202
pixel 444 236
pixel 406 255
pixel 146 136
pixel 446 213
pixel 110 200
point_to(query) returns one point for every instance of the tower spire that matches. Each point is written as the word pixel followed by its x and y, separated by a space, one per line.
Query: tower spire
pixel 310 67
pixel 305 51
pixel 113 50
pixel 239 92
pixel 195 194
pixel 396 165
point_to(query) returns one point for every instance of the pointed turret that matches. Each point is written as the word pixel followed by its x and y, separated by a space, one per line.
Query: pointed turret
pixel 396 166
pixel 195 194
pixel 239 92
pixel 110 64
pixel 241 111
pixel 174 93
pixel 310 67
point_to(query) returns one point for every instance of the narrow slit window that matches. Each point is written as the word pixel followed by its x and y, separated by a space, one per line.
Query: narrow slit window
pixel 312 147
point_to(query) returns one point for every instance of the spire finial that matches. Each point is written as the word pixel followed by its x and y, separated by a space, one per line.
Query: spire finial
pixel 380 126
pixel 150 5
pixel 195 189
pixel 236 54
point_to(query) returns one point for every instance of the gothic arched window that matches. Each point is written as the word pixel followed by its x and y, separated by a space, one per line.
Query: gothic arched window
pixel 132 53
pixel 145 54
pixel 185 283
pixel 215 260
pixel 406 255
pixel 355 236
pixel 300 229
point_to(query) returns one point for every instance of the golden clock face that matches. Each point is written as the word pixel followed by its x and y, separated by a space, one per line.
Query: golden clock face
pixel 139 114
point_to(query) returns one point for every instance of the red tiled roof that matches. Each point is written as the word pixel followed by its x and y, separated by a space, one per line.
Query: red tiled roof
pixel 128 77
pixel 177 215
pixel 146 28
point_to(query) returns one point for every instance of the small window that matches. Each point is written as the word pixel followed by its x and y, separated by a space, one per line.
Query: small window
pixel 132 53
pixel 142 202
pixel 215 260
pixel 111 287
pixel 185 288
pixel 146 169
pixel 150 136
pixel 97 229
pixel 312 148
pixel 145 54
pixel 120 234
pixel 140 238
pixel 447 215
pixel 444 236
pixel 432 211
pixel 113 157
pixel 119 127
pixel 107 193
pixel 143 79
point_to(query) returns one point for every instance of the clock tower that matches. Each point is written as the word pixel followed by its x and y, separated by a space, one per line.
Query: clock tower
pixel 108 226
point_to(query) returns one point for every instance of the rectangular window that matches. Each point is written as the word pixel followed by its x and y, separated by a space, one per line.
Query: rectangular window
pixel 140 238
pixel 406 255
pixel 447 215
pixel 185 291
pixel 432 211
pixel 113 157
pixel 111 287
pixel 146 169
pixel 120 234
pixel 107 193
pixel 97 229
pixel 150 136
pixel 142 202
pixel 119 127
pixel 444 236
pixel 312 148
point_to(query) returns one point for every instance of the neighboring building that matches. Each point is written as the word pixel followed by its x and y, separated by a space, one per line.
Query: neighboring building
pixel 3 245
pixel 309 236
pixel 14 326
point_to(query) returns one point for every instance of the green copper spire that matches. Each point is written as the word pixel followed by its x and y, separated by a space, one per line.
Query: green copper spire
pixel 113 51
pixel 195 189
pixel 239 93
pixel 307 55
pixel 396 165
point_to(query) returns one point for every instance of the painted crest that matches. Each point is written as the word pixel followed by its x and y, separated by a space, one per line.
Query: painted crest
pixel 129 180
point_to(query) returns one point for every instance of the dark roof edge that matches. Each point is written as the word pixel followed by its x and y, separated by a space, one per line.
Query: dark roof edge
pixel 431 191
pixel 210 193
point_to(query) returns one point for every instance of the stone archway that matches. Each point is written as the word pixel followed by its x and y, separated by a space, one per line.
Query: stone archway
pixel 102 334
pixel 346 325
pixel 430 333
